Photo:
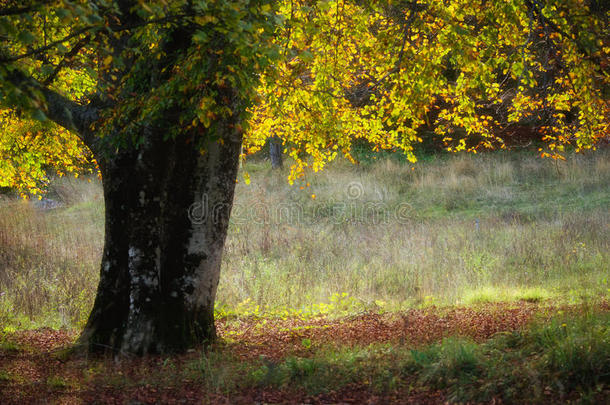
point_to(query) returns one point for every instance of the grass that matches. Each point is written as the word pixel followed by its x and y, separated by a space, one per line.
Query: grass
pixel 562 360
pixel 4 376
pixel 505 294
pixel 57 382
pixel 385 232
pixel 569 354
pixel 382 235
pixel 9 346
pixel 49 261
pixel 567 358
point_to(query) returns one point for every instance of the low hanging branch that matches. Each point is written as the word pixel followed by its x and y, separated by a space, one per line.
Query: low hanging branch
pixel 67 58
pixel 50 45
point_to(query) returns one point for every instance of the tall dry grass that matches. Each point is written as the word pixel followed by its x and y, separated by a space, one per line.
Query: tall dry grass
pixel 458 229
pixel 49 258
pixel 461 229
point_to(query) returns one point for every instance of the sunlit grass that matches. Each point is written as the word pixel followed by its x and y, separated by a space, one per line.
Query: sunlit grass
pixel 382 235
pixel 49 259
pixel 505 294
pixel 529 229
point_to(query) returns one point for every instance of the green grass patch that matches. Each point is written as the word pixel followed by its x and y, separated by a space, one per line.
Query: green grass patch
pixel 57 382
pixel 5 376
pixel 570 354
pixel 505 294
pixel 9 346
pixel 567 356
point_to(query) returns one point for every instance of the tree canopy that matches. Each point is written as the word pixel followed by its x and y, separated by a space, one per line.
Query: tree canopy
pixel 383 71
pixel 104 69
pixel 319 73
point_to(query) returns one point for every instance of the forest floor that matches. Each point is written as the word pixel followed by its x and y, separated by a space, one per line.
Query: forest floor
pixel 364 358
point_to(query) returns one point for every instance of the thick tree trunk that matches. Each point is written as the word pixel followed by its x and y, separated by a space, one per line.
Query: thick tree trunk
pixel 167 213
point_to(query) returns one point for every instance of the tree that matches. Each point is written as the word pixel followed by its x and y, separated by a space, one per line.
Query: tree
pixel 161 106
pixel 160 92
pixel 275 152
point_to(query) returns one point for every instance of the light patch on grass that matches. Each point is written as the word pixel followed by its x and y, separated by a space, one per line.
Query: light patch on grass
pixel 505 294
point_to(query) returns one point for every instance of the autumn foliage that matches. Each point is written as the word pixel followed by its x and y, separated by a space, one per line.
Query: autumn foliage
pixel 389 72
pixel 470 72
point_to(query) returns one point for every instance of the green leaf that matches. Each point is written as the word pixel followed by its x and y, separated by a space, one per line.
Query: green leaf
pixel 26 37
pixel 46 70
pixel 307 56
pixel 200 37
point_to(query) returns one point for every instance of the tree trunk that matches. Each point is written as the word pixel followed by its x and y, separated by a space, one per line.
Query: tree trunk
pixel 275 152
pixel 167 213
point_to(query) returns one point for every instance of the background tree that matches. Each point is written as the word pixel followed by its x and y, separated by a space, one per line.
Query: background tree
pixel 160 93
pixel 275 152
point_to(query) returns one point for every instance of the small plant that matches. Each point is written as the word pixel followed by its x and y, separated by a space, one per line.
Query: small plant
pixel 453 361
pixel 9 346
pixel 575 350
pixel 306 343
pixel 219 371
pixel 4 376
pixel 57 382
pixel 269 374
pixel 534 294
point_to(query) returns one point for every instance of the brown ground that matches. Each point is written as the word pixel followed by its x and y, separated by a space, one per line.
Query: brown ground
pixel 38 371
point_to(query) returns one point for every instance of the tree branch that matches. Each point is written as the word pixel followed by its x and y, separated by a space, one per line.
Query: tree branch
pixel 18 10
pixel 70 115
pixel 112 27
pixel 66 59
pixel 360 94
pixel 50 45
pixel 537 9
pixel 58 108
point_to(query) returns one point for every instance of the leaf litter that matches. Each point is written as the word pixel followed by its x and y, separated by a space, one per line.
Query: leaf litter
pixel 36 365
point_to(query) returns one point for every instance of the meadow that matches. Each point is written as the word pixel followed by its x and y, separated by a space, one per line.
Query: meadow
pixel 381 235
pixel 452 258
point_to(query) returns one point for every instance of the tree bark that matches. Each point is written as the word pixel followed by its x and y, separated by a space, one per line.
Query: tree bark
pixel 167 213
